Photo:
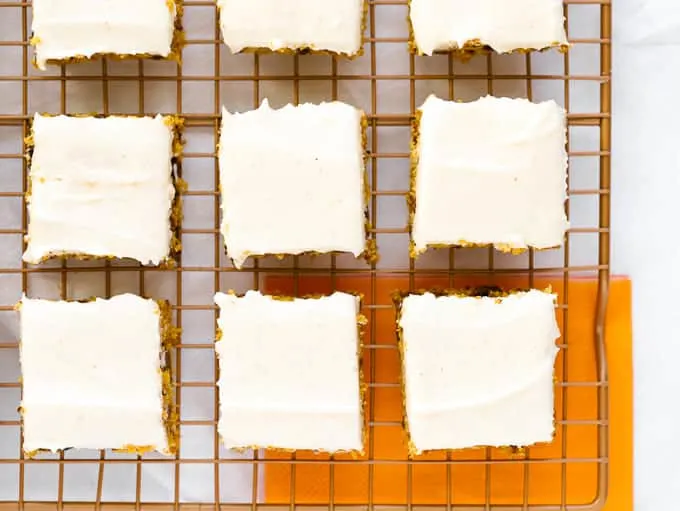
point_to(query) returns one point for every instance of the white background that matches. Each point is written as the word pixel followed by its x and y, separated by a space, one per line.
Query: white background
pixel 646 213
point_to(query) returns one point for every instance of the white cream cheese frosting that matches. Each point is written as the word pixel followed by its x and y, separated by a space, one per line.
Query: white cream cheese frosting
pixel 503 25
pixel 91 374
pixel 101 187
pixel 334 26
pixel 289 372
pixel 490 172
pixel 66 29
pixel 292 180
pixel 478 371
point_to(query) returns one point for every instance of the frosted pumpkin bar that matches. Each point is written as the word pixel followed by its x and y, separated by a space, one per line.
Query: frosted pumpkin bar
pixel 289 372
pixel 73 30
pixel 102 187
pixel 303 25
pixel 502 25
pixel 293 180
pixel 94 375
pixel 489 172
pixel 478 370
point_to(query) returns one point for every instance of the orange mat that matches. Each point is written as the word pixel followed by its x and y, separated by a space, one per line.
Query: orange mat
pixel 429 481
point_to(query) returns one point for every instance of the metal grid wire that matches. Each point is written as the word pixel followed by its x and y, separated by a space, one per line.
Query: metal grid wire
pixel 389 84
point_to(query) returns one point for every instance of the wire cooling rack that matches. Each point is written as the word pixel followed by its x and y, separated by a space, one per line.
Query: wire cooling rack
pixel 389 84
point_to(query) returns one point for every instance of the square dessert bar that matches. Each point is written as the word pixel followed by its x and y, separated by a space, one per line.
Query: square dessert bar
pixel 489 172
pixel 289 372
pixel 93 375
pixel 303 25
pixel 68 30
pixel 102 187
pixel 502 25
pixel 478 371
pixel 293 180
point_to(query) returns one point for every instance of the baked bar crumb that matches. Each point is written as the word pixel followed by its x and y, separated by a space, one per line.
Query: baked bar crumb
pixel 478 370
pixel 290 374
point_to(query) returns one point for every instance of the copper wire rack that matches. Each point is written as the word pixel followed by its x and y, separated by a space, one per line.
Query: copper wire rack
pixel 389 83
